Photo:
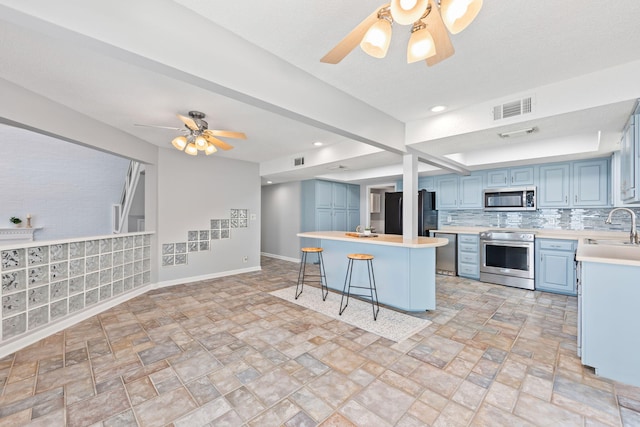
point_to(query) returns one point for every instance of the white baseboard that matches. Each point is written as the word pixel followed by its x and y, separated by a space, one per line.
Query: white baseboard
pixel 18 343
pixel 284 258
pixel 206 277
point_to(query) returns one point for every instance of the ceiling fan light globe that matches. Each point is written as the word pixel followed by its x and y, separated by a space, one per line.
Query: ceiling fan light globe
pixel 376 41
pixel 191 149
pixel 179 142
pixel 210 149
pixel 406 12
pixel 201 143
pixel 421 46
pixel 458 14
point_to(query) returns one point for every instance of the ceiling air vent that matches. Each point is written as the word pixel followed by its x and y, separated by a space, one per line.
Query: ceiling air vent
pixel 298 161
pixel 512 109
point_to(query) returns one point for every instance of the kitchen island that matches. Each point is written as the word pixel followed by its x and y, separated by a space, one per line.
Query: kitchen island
pixel 404 269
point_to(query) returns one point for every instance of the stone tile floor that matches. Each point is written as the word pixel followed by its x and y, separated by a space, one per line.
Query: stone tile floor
pixel 224 352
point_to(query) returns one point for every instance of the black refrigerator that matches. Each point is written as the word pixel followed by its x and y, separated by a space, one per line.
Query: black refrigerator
pixel 427 213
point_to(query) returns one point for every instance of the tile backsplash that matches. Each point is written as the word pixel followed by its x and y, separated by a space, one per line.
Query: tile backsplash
pixel 550 219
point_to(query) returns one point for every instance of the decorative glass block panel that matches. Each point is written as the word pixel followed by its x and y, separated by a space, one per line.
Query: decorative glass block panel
pixel 128 242
pixel 13 259
pixel 14 304
pixel 91 297
pixel 118 243
pixel 92 280
pixel 204 234
pixel 167 249
pixel 192 236
pixel 76 267
pixel 167 260
pixel 14 326
pixel 58 309
pixel 242 223
pixel 181 248
pixel 128 255
pixel 118 258
pixel 38 296
pixel 92 264
pixel 204 246
pixel 59 270
pixel 76 303
pixel 76 249
pixel 127 283
pixel 106 245
pixel 224 234
pixel 137 267
pixel 146 240
pixel 117 288
pixel 105 276
pixel 38 275
pixel 215 224
pixel 14 281
pixel 105 261
pixel 181 259
pixel 38 317
pixel 118 272
pixel 193 246
pixel 234 222
pixel 215 234
pixel 146 252
pixel 138 254
pixel 128 269
pixel 76 284
pixel 92 247
pixel 105 292
pixel 146 264
pixel 139 241
pixel 59 252
pixel 38 255
pixel 225 223
pixel 59 290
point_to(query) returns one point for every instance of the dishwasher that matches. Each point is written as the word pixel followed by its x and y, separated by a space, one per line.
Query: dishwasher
pixel 447 256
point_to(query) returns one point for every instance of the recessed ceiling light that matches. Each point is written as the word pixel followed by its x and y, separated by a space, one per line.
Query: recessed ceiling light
pixel 317 143
pixel 269 182
pixel 438 108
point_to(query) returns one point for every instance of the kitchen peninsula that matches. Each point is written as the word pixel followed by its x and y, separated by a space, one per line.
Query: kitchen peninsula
pixel 404 269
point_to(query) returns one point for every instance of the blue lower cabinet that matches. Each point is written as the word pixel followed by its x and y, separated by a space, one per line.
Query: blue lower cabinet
pixel 555 266
pixel 469 256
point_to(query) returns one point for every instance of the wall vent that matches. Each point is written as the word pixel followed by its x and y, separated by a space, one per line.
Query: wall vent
pixel 298 161
pixel 513 108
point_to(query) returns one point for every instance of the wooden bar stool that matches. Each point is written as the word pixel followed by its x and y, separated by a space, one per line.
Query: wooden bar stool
pixel 373 292
pixel 302 274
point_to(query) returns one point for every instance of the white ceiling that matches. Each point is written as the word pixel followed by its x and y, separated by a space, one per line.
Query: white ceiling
pixel 253 66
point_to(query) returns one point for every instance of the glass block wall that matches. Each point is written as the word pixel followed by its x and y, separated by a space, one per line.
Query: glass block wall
pixel 44 283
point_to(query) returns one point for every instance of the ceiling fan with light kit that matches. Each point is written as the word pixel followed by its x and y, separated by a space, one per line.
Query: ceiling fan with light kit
pixel 429 20
pixel 198 137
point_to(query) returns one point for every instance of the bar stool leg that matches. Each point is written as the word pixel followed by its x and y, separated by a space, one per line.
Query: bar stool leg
pixel 324 289
pixel 372 290
pixel 303 263
pixel 348 276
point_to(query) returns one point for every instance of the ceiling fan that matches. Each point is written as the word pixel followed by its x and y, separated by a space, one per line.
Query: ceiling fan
pixel 429 20
pixel 198 137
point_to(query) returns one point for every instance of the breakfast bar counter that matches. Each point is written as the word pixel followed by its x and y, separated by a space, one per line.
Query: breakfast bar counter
pixel 404 269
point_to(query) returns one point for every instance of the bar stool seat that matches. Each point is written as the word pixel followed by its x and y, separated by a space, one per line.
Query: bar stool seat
pixel 318 278
pixel 373 292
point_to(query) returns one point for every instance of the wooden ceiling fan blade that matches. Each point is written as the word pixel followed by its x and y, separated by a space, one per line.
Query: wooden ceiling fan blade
pixel 352 39
pixel 191 124
pixel 159 127
pixel 217 142
pixel 435 25
pixel 226 133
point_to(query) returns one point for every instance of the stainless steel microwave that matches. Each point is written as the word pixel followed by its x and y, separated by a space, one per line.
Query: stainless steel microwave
pixel 510 199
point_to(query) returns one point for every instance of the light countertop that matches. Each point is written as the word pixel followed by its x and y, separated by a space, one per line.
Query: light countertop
pixel 381 239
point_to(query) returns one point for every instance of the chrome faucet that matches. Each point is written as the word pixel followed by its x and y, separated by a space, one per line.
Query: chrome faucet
pixel 633 235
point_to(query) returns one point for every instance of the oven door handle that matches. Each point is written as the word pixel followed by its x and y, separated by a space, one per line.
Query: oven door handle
pixel 511 243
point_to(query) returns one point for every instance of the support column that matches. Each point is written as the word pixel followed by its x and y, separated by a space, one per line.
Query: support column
pixel 410 196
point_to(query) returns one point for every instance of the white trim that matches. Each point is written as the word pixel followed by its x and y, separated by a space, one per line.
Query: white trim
pixel 29 338
pixel 187 280
pixel 283 258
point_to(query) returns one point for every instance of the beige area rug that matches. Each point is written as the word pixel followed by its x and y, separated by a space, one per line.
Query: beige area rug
pixel 390 324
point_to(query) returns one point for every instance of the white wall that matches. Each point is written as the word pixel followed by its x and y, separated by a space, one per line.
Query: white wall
pixel 194 190
pixel 68 189
pixel 281 210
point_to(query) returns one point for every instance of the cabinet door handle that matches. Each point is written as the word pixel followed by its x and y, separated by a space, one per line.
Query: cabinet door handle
pixel 566 199
pixel 576 198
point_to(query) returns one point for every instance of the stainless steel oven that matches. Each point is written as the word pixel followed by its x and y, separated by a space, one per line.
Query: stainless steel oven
pixel 507 258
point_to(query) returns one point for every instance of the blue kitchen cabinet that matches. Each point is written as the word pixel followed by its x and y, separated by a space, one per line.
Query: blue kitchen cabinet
pixel 446 192
pixel 553 191
pixel 510 177
pixel 469 256
pixel 426 183
pixel 329 206
pixel 590 182
pixel 629 159
pixel 555 266
pixel 470 191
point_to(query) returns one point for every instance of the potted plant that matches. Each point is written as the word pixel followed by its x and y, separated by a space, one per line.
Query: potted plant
pixel 16 221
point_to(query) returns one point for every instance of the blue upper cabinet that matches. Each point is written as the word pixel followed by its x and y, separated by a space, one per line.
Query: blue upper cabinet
pixel 339 195
pixel 323 194
pixel 470 191
pixel 446 192
pixel 426 183
pixel 553 190
pixel 629 160
pixel 511 177
pixel 591 183
pixel 353 197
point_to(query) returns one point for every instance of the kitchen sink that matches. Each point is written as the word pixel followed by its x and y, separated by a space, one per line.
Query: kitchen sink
pixel 614 242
